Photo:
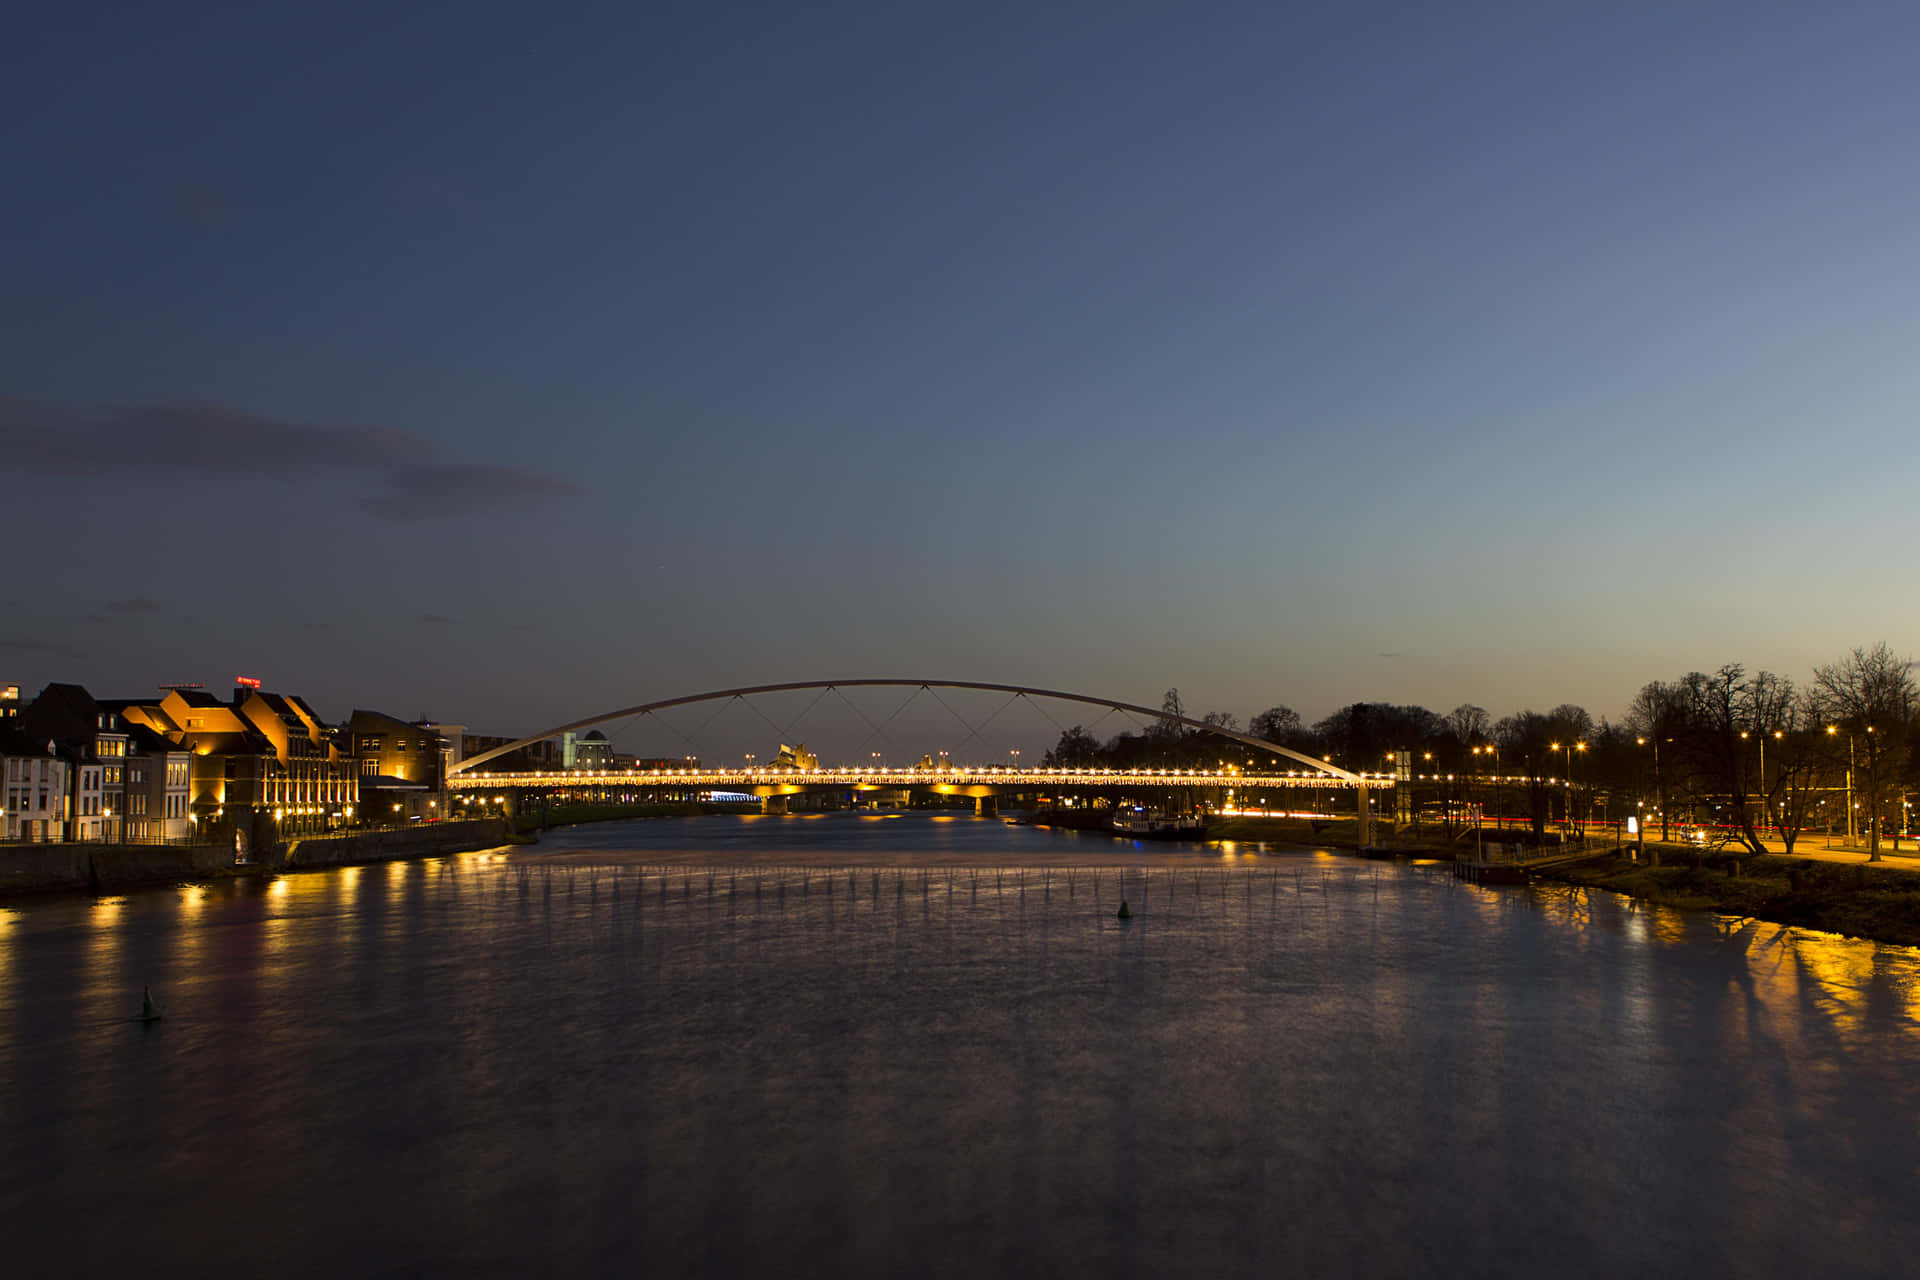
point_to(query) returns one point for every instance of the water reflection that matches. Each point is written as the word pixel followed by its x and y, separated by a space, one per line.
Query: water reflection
pixel 948 1055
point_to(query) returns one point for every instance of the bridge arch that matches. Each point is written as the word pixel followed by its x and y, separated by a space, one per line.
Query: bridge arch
pixel 1026 691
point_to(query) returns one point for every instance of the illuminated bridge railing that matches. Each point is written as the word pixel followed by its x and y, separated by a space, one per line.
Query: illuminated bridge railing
pixel 934 779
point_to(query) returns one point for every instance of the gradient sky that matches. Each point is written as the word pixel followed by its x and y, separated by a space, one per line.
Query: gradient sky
pixel 509 363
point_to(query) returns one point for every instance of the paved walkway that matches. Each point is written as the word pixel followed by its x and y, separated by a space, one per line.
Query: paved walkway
pixel 1903 855
pixel 1900 855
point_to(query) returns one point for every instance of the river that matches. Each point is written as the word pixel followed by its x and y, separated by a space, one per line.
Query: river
pixel 847 1045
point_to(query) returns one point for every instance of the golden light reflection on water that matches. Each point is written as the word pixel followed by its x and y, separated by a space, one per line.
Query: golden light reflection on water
pixel 1836 975
pixel 104 989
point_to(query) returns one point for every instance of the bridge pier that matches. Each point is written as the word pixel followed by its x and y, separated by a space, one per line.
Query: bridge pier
pixel 986 806
pixel 773 804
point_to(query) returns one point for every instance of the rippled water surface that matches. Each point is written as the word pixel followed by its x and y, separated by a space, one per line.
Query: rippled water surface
pixel 867 1046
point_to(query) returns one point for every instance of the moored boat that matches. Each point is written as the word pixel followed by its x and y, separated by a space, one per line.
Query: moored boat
pixel 1137 822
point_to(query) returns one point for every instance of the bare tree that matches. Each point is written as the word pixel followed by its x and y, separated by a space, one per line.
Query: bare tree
pixel 1870 696
pixel 1653 716
pixel 1470 724
pixel 1797 767
pixel 1278 724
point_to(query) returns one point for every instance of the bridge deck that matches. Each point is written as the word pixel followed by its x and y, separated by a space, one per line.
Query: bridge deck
pixel 907 778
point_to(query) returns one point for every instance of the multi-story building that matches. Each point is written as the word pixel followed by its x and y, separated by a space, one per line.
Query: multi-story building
pixel 93 741
pixel 593 752
pixel 535 757
pixel 158 789
pixel 262 755
pixel 36 792
pixel 402 766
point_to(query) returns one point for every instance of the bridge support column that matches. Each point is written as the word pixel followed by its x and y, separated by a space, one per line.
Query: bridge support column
pixel 773 804
pixel 986 806
pixel 1365 826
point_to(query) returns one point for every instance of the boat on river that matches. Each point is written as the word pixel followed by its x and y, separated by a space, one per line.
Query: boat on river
pixel 1137 822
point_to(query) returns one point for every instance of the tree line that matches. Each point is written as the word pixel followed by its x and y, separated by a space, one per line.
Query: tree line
pixel 1750 753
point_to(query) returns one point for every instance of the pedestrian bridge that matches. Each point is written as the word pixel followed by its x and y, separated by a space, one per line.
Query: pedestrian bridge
pixel 983 780
pixel 980 782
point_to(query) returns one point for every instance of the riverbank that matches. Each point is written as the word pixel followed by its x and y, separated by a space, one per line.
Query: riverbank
pixel 1860 900
pixel 27 870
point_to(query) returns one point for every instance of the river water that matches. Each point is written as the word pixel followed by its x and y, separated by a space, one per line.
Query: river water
pixel 910 1045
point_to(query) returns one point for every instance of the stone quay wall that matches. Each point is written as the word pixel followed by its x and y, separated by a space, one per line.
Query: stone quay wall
pixel 109 868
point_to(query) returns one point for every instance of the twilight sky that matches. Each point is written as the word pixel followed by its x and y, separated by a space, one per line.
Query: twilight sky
pixel 509 363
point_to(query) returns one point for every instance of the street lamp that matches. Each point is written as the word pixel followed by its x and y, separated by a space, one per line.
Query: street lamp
pixel 1570 748
pixel 1659 784
pixel 1831 731
pixel 1851 826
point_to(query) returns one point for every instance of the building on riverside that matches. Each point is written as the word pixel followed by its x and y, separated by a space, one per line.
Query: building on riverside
pixel 261 760
pixel 93 742
pixel 535 757
pixel 593 752
pixel 158 789
pixel 36 787
pixel 402 766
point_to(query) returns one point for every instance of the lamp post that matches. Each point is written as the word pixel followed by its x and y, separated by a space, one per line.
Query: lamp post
pixel 1766 807
pixel 1659 783
pixel 1488 749
pixel 1569 748
pixel 1831 731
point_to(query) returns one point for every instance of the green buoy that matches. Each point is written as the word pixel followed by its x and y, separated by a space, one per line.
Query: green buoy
pixel 1123 913
pixel 149 1011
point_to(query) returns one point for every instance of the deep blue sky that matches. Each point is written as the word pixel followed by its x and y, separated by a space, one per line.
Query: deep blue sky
pixel 511 362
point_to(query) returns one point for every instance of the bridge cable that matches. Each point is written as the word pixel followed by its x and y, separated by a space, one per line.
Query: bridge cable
pixel 996 713
pixel 777 730
pixel 1045 714
pixel 787 735
pixel 676 729
pixel 881 728
pixel 972 732
pixel 950 711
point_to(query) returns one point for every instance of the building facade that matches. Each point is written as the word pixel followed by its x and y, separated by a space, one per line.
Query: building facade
pixel 261 760
pixel 402 767
pixel 36 781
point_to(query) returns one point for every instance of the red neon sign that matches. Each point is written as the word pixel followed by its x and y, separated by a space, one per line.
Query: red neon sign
pixel 247 682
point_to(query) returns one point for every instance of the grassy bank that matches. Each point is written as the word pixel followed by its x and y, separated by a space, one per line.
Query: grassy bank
pixel 1858 900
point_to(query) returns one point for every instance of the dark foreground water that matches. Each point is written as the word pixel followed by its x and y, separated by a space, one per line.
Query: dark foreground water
pixel 900 1047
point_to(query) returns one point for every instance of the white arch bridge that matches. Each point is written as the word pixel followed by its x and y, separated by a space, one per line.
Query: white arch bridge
pixel 980 782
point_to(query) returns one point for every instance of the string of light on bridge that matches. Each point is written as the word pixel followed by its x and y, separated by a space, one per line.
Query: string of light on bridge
pixel 908 777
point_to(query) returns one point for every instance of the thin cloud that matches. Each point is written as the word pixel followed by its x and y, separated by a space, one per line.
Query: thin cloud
pixel 427 492
pixel 407 481
pixel 136 604
pixel 22 644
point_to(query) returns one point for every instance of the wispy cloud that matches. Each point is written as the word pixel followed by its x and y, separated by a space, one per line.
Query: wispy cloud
pixel 407 479
pixel 136 604
pixel 424 492
pixel 21 644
